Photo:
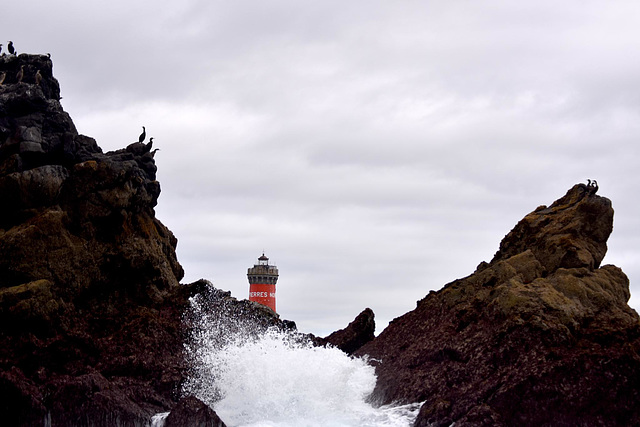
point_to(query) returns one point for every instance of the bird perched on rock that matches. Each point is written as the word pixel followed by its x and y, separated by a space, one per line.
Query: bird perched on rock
pixel 3 75
pixel 38 77
pixel 12 51
pixel 138 148
pixel 153 153
pixel 592 186
pixel 20 74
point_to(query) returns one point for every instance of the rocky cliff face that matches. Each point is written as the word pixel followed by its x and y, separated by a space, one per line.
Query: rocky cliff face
pixel 541 335
pixel 89 298
pixel 90 301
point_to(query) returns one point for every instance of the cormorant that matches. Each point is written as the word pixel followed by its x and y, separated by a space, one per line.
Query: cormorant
pixel 153 153
pixel 12 51
pixel 150 144
pixel 38 77
pixel 143 135
pixel 20 74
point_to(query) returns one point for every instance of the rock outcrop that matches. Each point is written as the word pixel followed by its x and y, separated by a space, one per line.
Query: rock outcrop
pixel 355 335
pixel 541 335
pixel 192 412
pixel 90 301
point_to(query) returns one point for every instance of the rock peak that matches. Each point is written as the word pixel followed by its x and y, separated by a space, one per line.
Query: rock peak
pixel 93 315
pixel 45 162
pixel 89 278
pixel 542 325
pixel 355 335
pixel 571 233
pixel 30 64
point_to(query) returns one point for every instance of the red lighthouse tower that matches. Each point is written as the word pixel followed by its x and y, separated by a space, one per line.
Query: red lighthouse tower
pixel 262 282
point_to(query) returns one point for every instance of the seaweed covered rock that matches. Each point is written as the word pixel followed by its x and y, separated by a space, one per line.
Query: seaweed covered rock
pixel 541 335
pixel 92 311
pixel 90 300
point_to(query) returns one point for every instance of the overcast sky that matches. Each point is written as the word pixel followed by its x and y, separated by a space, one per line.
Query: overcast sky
pixel 374 150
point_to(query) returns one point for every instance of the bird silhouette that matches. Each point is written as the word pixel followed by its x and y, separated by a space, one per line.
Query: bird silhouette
pixel 150 144
pixel 143 135
pixel 12 51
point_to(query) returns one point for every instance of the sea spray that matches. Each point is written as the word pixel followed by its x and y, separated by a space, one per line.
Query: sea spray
pixel 158 420
pixel 255 375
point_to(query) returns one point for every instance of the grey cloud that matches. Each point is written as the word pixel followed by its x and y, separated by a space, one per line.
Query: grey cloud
pixel 374 150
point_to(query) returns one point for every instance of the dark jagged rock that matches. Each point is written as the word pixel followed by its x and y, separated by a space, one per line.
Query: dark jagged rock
pixel 355 335
pixel 236 316
pixel 32 63
pixel 571 233
pixel 90 301
pixel 541 335
pixel 192 412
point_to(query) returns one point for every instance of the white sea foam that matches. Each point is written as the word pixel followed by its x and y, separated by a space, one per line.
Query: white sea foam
pixel 158 419
pixel 278 379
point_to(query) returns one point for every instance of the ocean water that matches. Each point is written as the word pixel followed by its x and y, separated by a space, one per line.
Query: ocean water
pixel 278 379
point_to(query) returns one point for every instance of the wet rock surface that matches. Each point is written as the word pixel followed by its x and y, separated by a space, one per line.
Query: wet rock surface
pixel 90 300
pixel 190 411
pixel 541 335
pixel 91 306
pixel 355 335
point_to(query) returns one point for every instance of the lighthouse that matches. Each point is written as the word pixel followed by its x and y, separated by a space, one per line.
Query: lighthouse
pixel 262 282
